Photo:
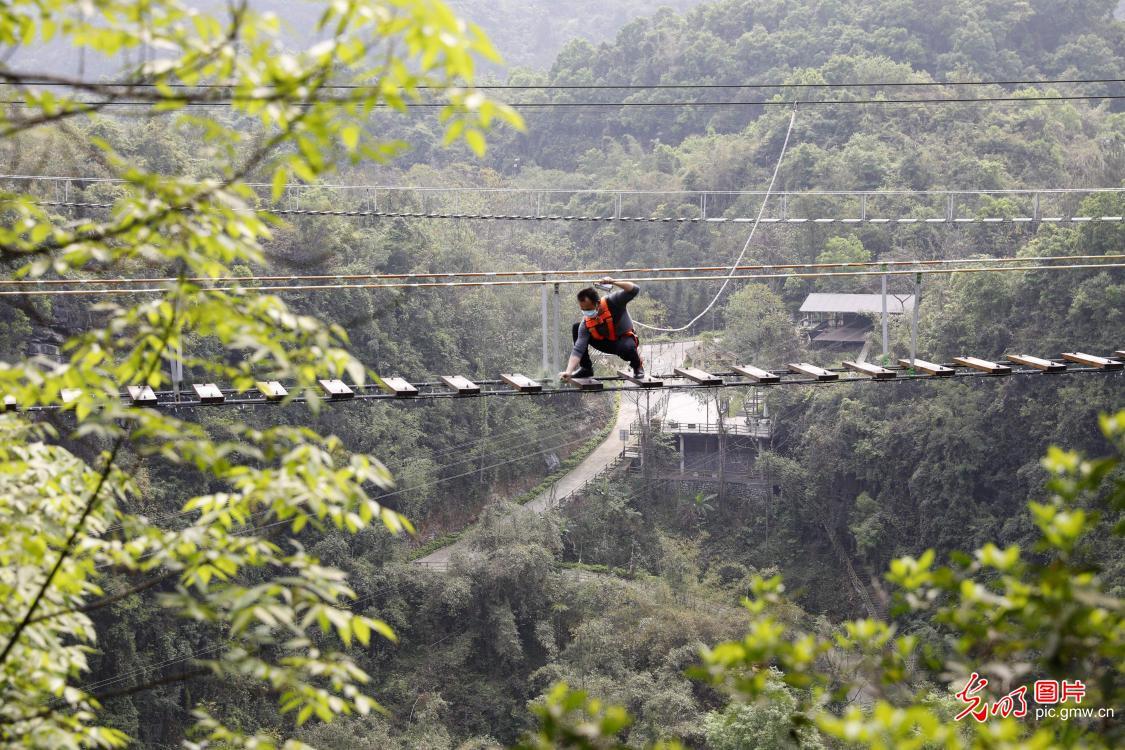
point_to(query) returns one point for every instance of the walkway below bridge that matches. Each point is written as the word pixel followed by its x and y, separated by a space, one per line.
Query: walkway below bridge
pixel 659 358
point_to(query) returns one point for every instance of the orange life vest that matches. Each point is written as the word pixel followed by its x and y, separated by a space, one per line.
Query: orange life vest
pixel 601 325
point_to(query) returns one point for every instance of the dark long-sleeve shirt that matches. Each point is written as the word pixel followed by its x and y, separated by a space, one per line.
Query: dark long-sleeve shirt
pixel 621 320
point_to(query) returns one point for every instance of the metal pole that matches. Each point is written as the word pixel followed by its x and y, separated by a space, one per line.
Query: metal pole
pixel 485 431
pixel 885 349
pixel 177 367
pixel 645 435
pixel 557 349
pixel 914 318
pixel 546 335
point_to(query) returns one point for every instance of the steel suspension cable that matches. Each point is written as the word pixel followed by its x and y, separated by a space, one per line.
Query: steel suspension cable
pixel 121 677
pixel 580 281
pixel 308 514
pixel 85 105
pixel 58 82
pixel 677 220
pixel 394 493
pixel 905 192
pixel 539 274
pixel 497 443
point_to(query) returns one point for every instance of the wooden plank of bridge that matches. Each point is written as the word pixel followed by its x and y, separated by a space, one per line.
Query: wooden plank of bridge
pixel 141 395
pixel 975 363
pixel 272 390
pixel 699 376
pixel 399 387
pixel 646 382
pixel 336 390
pixel 804 368
pixel 521 383
pixel 1038 363
pixel 873 371
pixel 586 384
pixel 762 376
pixel 927 367
pixel 1102 363
pixel 208 393
pixel 463 386
pixel 1120 353
pixel 9 404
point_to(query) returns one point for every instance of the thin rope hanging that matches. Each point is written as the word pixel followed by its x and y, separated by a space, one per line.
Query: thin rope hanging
pixel 746 246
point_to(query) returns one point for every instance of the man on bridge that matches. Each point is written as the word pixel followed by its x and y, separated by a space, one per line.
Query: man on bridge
pixel 607 327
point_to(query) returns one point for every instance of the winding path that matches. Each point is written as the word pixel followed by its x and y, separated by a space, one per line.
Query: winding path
pixel 659 359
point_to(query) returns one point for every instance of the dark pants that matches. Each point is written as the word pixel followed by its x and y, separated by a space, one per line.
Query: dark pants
pixel 625 347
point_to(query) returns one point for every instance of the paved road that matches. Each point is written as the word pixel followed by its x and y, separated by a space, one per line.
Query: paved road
pixel 659 360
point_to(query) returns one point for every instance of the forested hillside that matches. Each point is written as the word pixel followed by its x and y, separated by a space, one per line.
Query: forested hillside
pixel 530 34
pixel 622 591
pixel 735 41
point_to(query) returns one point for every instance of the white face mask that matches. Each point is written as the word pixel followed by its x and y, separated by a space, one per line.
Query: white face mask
pixel 590 313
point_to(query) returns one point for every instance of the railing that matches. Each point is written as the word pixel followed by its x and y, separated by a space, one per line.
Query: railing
pixel 600 475
pixel 759 429
pixel 737 478
pixel 439 566
pixel 787 207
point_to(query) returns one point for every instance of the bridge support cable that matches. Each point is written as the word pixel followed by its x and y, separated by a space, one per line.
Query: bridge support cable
pixel 743 376
pixel 487 278
pixel 82 287
pixel 935 207
pixel 780 220
pixel 745 246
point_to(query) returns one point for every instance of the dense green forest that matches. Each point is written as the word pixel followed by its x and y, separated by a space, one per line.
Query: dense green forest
pixel 621 592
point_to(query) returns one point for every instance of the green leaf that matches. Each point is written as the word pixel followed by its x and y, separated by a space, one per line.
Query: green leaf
pixel 349 134
pixel 453 132
pixel 475 139
pixel 383 629
pixel 362 630
pixel 40 232
pixel 280 181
